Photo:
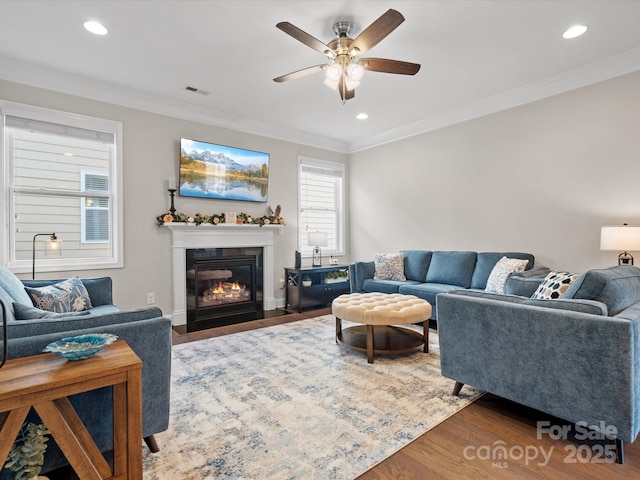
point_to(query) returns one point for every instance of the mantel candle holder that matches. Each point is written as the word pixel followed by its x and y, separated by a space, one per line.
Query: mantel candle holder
pixel 172 194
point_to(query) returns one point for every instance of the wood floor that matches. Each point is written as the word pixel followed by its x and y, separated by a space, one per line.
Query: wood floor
pixel 461 447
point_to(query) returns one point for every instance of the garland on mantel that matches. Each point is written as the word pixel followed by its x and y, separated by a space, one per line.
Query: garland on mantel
pixel 273 218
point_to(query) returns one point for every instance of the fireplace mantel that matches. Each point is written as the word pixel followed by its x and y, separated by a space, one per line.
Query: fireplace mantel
pixel 186 236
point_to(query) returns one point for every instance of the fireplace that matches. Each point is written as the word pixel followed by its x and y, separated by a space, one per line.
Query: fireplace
pixel 188 236
pixel 223 286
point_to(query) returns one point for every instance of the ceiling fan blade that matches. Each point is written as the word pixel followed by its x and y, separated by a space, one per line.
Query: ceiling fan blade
pixel 379 29
pixel 305 38
pixel 300 73
pixel 385 65
pixel 344 93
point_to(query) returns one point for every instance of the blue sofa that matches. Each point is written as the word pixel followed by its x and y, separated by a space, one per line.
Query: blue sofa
pixel 576 357
pixel 430 273
pixel 146 331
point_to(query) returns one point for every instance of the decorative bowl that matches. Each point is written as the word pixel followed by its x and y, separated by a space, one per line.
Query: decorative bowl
pixel 83 346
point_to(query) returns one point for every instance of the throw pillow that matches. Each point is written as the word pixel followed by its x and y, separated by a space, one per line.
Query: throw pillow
pixel 389 266
pixel 555 284
pixel 501 270
pixel 68 296
pixel 24 312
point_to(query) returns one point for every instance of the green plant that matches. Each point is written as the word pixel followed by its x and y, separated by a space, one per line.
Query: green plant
pixel 337 274
pixel 27 454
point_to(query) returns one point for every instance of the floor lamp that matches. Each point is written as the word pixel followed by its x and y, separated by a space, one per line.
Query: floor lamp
pixel 52 248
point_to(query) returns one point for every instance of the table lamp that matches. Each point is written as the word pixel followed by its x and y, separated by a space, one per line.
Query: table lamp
pixel 622 238
pixel 317 240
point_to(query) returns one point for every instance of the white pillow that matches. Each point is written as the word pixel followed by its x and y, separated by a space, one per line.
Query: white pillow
pixel 389 266
pixel 502 269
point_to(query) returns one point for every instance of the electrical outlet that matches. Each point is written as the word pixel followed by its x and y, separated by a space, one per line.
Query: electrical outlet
pixel 151 298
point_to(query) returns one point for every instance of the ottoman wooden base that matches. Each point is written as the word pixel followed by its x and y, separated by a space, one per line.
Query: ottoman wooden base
pixel 388 340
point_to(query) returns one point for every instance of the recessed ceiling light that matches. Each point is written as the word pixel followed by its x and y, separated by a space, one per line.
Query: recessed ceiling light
pixel 362 116
pixel 95 27
pixel 575 31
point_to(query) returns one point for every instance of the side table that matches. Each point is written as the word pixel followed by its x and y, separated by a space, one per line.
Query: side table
pixel 45 382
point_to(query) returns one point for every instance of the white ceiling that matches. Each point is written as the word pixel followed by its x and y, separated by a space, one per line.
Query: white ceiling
pixel 477 57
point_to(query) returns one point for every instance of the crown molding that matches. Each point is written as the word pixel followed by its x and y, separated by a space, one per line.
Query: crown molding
pixel 51 79
pixel 601 70
pixel 23 72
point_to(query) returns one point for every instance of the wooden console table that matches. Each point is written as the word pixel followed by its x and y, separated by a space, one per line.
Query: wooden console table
pixel 45 381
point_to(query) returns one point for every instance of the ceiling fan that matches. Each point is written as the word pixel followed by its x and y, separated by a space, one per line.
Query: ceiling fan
pixel 345 68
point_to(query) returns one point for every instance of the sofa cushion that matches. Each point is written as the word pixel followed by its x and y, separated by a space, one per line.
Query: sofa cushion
pixel 67 296
pixel 389 266
pixel 427 291
pixel 501 270
pixel 555 285
pixel 25 312
pixel 416 264
pixel 384 286
pixel 617 287
pixel 14 287
pixel 487 260
pixel 452 268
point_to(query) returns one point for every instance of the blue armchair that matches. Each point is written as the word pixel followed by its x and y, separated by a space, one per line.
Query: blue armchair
pixel 146 331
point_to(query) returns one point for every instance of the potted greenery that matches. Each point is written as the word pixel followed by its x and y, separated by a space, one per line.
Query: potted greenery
pixel 306 281
pixel 27 454
pixel 336 276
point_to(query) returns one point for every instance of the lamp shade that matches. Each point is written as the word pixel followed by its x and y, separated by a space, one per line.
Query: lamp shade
pixel 620 238
pixel 318 239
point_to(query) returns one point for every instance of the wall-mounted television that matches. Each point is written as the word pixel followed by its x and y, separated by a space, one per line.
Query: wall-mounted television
pixel 215 171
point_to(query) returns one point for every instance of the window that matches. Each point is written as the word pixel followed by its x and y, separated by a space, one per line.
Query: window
pixel 95 210
pixel 51 161
pixel 321 204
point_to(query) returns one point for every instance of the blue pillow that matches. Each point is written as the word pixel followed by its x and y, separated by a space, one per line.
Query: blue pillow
pixel 67 296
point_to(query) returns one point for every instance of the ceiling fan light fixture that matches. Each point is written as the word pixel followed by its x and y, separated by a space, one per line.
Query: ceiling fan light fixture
pixel 350 83
pixel 334 72
pixel 332 84
pixel 355 71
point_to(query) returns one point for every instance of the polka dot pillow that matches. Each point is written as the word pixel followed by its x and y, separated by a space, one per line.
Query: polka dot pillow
pixel 555 285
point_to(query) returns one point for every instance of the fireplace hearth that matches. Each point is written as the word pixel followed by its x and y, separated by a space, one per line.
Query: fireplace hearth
pixel 223 286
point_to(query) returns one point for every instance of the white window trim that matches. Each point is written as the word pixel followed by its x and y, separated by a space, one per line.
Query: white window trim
pixel 341 238
pixel 7 215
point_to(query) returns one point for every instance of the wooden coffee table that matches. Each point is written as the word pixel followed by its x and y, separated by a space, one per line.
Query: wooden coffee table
pixel 384 311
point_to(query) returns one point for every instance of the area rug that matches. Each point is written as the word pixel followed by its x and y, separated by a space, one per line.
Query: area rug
pixel 287 402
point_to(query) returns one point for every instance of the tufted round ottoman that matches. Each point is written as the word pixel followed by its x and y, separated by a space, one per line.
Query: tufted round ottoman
pixel 382 310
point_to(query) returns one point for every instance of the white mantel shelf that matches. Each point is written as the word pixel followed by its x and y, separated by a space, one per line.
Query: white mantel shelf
pixel 223 235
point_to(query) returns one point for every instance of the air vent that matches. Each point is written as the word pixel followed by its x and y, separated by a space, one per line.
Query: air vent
pixel 191 89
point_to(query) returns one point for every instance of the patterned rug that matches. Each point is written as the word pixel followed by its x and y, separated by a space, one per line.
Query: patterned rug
pixel 287 402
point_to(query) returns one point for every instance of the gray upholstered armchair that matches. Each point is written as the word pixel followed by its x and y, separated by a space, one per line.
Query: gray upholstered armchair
pixel 146 331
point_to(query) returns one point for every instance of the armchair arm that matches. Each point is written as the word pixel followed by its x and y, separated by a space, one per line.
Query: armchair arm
pixel 576 366
pixel 60 326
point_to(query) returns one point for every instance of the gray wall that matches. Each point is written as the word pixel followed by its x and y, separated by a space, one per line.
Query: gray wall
pixel 540 178
pixel 151 148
